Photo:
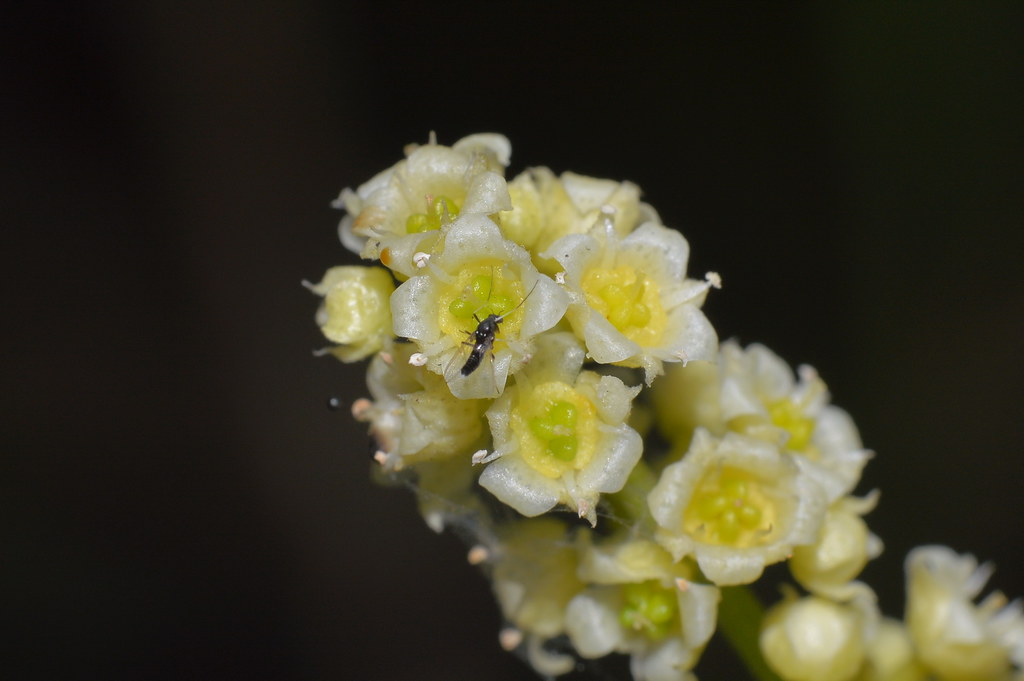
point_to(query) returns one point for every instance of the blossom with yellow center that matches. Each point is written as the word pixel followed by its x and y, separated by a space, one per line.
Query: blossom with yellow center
pixel 560 435
pixel 760 398
pixel 737 504
pixel 398 212
pixel 642 604
pixel 474 274
pixel 545 208
pixel 632 304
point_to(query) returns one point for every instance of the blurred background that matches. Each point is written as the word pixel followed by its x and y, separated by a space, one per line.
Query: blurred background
pixel 179 502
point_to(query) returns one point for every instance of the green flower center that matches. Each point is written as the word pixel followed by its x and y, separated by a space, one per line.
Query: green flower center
pixel 479 298
pixel 629 299
pixel 648 608
pixel 440 211
pixel 730 509
pixel 556 427
pixel 787 415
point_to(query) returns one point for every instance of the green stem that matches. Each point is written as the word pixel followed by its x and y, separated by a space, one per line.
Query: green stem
pixel 739 618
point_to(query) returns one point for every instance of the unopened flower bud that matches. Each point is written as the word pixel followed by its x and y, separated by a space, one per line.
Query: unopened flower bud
pixel 812 639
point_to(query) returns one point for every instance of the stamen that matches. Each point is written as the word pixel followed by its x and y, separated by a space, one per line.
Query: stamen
pixel 509 638
pixel 478 554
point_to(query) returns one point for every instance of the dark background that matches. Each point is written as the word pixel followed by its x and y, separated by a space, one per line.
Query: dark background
pixel 178 500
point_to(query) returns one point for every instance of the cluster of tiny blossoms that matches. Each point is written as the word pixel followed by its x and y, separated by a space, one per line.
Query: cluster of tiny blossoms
pixel 542 373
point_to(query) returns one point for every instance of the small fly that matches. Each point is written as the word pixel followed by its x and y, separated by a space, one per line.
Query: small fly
pixel 484 336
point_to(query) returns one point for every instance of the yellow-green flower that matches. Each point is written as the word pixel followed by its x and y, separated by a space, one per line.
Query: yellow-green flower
pixel 560 435
pixel 761 398
pixel 736 504
pixel 474 274
pixel 545 208
pixel 632 304
pixel 395 213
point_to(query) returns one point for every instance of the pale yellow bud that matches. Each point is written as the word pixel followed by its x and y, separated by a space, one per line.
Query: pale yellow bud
pixel 812 639
pixel 356 312
pixel 843 548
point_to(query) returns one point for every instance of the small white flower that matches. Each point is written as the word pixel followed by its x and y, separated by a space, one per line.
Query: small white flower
pixel 398 211
pixel 956 639
pixel 641 605
pixel 737 504
pixel 632 304
pixel 761 398
pixel 546 208
pixel 476 273
pixel 560 436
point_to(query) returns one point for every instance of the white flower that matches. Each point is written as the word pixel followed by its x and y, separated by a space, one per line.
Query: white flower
pixel 759 397
pixel 389 216
pixel 737 504
pixel 956 639
pixel 545 208
pixel 560 436
pixel 475 274
pixel 414 417
pixel 631 301
pixel 643 604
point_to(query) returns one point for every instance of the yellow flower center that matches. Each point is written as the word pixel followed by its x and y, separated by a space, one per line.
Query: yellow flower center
pixel 729 508
pixel 440 211
pixel 648 608
pixel 479 290
pixel 628 299
pixel 557 428
pixel 787 415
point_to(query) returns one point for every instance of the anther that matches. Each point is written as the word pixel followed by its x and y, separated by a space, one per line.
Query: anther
pixel 478 554
pixel 361 409
pixel 509 638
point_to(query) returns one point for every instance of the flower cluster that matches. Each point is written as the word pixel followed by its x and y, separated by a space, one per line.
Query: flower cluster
pixel 543 374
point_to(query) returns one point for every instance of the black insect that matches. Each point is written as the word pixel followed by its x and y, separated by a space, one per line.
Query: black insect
pixel 484 335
